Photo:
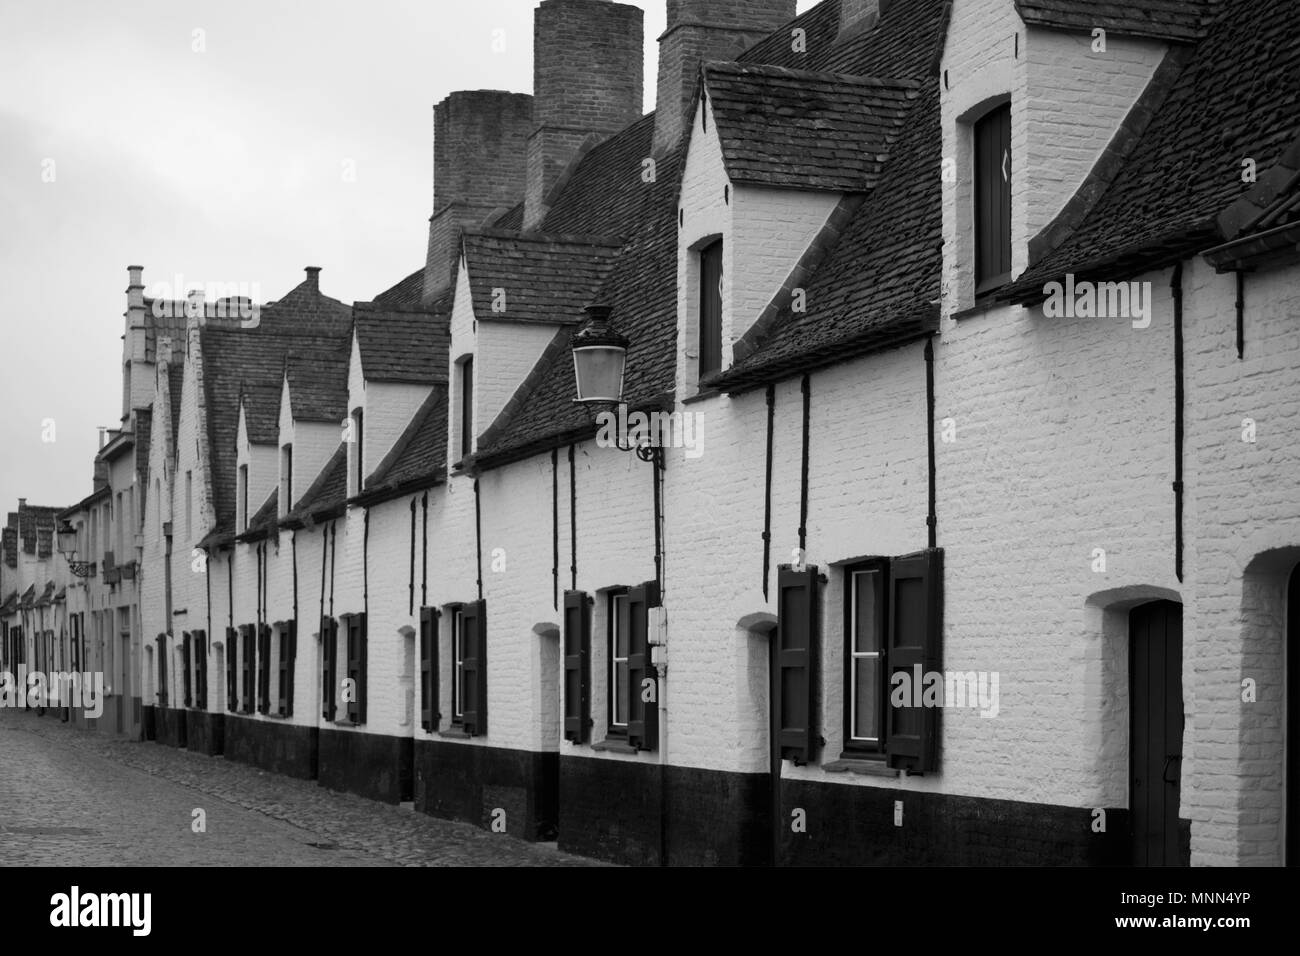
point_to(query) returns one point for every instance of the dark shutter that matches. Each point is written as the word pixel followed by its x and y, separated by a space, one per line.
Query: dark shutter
pixel 250 666
pixel 797 636
pixel 185 667
pixel 577 667
pixel 473 622
pixel 329 663
pixel 429 669
pixel 201 670
pixel 288 661
pixel 162 669
pixel 915 633
pixel 232 670
pixel 710 309
pixel 993 199
pixel 264 669
pixel 642 715
pixel 282 672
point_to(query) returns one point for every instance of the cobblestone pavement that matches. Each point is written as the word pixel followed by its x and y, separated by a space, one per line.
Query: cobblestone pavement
pixel 70 797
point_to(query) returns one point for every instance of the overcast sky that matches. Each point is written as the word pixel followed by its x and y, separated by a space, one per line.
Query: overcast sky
pixel 126 137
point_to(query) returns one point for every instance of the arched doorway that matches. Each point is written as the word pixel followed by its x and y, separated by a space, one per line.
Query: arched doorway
pixel 1155 731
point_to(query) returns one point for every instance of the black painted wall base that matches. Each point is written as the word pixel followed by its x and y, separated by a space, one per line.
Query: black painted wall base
pixel 205 732
pixel 854 826
pixel 169 726
pixel 273 745
pixel 469 783
pixel 148 722
pixel 378 766
pixel 643 814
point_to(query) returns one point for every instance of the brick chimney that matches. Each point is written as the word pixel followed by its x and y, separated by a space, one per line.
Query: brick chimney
pixel 700 30
pixel 588 66
pixel 313 278
pixel 135 339
pixel 479 141
pixel 857 16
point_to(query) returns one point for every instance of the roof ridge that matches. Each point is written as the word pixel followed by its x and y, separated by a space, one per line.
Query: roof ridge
pixel 555 238
pixel 740 67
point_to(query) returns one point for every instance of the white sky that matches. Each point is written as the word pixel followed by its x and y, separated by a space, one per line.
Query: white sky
pixel 222 165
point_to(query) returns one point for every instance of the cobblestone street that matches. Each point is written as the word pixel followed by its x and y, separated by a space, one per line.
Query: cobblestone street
pixel 75 798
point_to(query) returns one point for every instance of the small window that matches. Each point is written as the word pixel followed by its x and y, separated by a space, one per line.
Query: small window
pixel 866 690
pixel 619 628
pixel 466 407
pixel 358 452
pixel 993 200
pixel 458 665
pixel 243 497
pixel 469 668
pixel 189 505
pixel 286 479
pixel 710 344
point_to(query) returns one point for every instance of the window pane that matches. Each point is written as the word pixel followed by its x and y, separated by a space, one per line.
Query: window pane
pixel 620 626
pixel 620 694
pixel 866 691
pixel 865 636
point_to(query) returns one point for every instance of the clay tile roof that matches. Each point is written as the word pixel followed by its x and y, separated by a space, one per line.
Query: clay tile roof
pixel 326 495
pixel 251 362
pixel 264 520
pixel 10 604
pixel 605 194
pixel 1176 164
pixel 803 129
pixel 261 401
pixel 536 278
pixel 405 295
pixel 318 386
pixel 175 385
pixel 402 345
pixel 143 439
pixel 419 457
pixel 1173 20
pixel 9 540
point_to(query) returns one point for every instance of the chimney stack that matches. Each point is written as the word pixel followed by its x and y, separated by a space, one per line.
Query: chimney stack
pixel 700 30
pixel 588 69
pixel 479 139
pixel 313 278
pixel 135 341
pixel 857 16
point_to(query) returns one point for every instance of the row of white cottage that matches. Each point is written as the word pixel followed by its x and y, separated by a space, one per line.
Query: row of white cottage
pixel 1091 520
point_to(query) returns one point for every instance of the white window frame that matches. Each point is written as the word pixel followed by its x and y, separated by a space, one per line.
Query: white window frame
pixel 855 655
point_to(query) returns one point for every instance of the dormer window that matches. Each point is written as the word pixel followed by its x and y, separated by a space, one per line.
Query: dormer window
pixel 286 479
pixel 243 498
pixel 358 458
pixel 710 344
pixel 466 406
pixel 993 199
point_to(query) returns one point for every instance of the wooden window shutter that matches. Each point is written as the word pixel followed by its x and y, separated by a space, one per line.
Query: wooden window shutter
pixel 473 621
pixel 185 667
pixel 289 663
pixel 201 669
pixel 264 669
pixel 250 665
pixel 283 671
pixel 162 669
pixel 232 670
pixel 915 633
pixel 329 663
pixel 993 199
pixel 797 636
pixel 429 715
pixel 577 667
pixel 363 656
pixel 642 714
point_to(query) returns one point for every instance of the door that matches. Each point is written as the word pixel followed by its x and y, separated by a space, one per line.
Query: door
pixel 1292 811
pixel 1156 731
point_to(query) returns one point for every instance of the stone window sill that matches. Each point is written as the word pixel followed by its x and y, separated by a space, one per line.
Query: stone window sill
pixel 454 733
pixel 860 765
pixel 615 745
pixel 345 722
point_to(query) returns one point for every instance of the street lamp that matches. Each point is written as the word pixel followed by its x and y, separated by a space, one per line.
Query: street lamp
pixel 599 360
pixel 67 538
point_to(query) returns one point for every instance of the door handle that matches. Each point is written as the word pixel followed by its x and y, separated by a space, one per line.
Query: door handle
pixel 1164 772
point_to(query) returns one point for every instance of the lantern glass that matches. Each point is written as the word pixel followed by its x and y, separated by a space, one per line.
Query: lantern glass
pixel 67 539
pixel 599 371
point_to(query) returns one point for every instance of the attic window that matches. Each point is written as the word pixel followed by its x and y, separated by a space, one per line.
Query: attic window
pixel 286 479
pixel 710 309
pixel 466 406
pixel 243 498
pixel 356 436
pixel 993 199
